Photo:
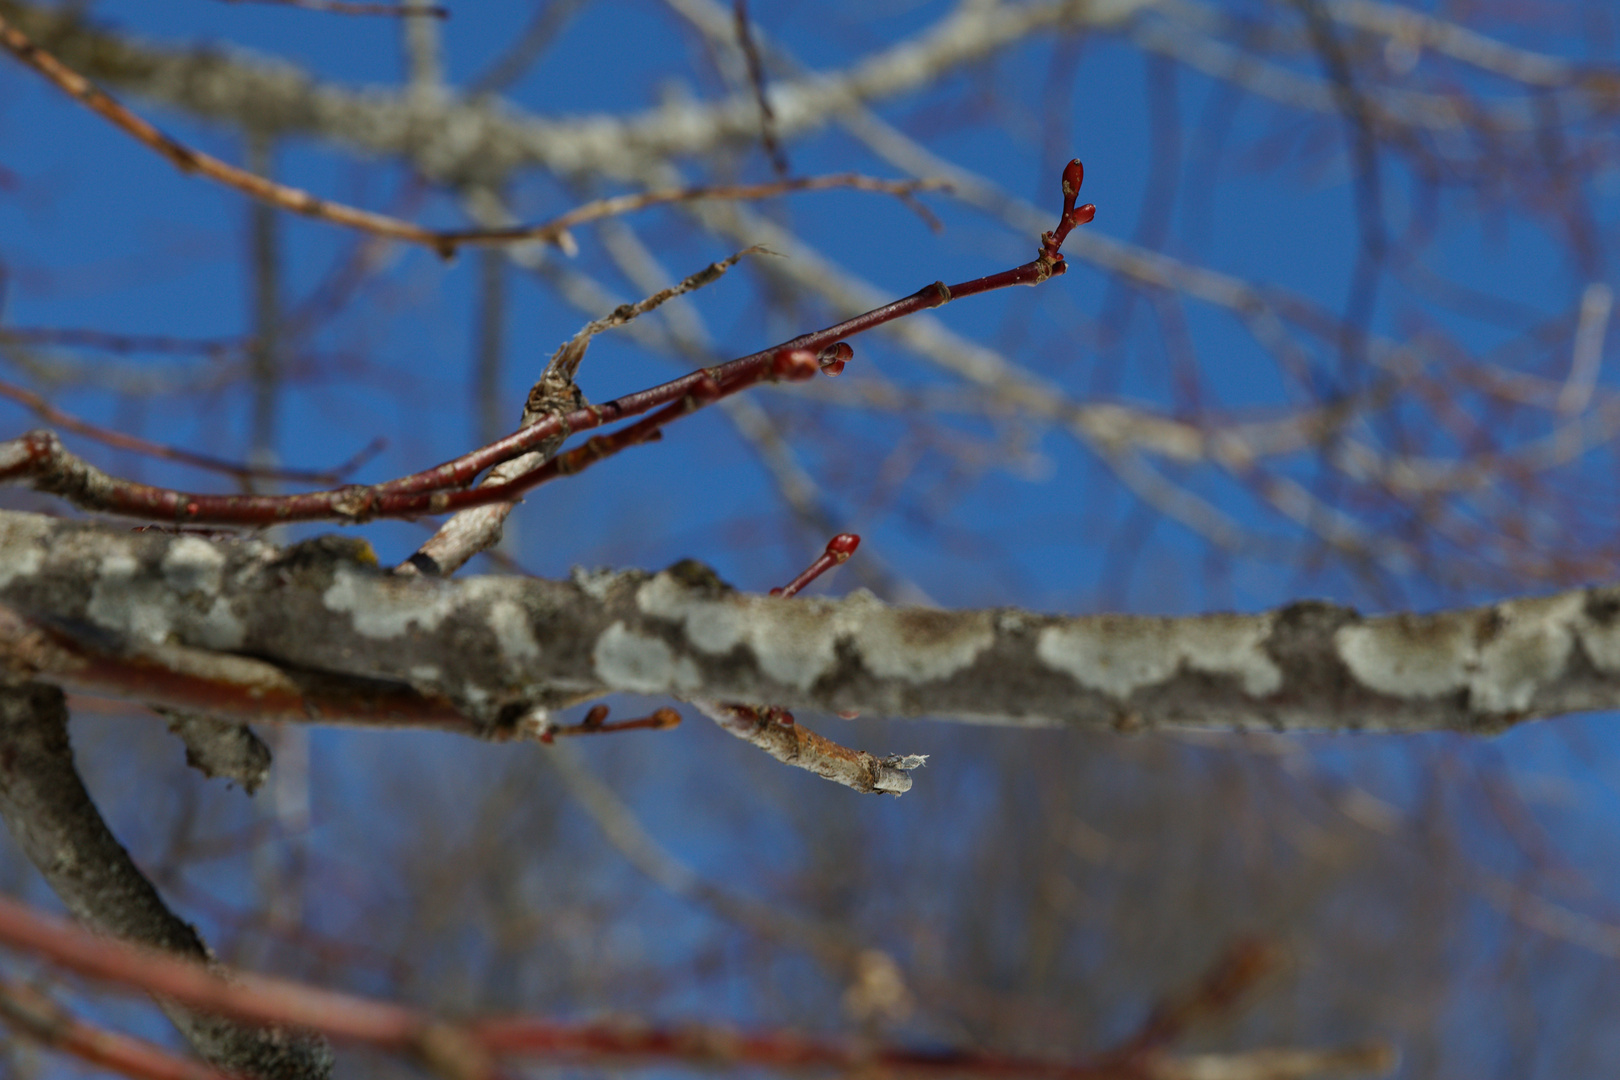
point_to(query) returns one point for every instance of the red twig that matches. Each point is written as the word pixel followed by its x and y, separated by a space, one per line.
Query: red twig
pixel 1233 975
pixel 597 723
pixel 839 549
pixel 467 1050
pixel 40 458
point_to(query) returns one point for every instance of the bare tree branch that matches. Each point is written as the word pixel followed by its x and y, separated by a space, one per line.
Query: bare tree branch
pixel 468 1050
pixel 495 648
pixel 51 817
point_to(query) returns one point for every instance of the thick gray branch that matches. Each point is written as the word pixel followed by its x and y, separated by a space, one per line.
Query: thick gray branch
pixel 476 141
pixel 498 647
pixel 51 817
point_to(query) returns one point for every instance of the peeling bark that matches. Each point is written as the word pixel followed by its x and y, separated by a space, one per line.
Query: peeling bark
pixel 491 649
pixel 220 748
pixel 52 818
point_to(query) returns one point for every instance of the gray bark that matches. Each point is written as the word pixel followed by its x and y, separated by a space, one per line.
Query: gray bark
pixel 497 648
pixel 52 819
pixel 220 748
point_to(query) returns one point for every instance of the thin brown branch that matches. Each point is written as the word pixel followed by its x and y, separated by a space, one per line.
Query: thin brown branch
pixel 35 1016
pixel 553 230
pixel 445 243
pixel 188 160
pixel 214 348
pixel 756 79
pixel 345 7
pixel 469 1050
pixel 42 408
pixel 791 743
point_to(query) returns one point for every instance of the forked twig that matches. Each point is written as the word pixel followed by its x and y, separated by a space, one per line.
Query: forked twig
pixel 472 531
pixel 775 731
pixel 38 457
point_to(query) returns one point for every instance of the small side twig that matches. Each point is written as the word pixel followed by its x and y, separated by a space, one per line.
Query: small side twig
pixel 596 722
pixel 554 394
pixel 756 78
pixel 73 337
pixel 796 745
pixel 775 731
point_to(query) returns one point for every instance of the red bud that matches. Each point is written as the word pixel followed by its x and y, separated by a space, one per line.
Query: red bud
pixel 843 546
pixel 1074 174
pixel 794 364
pixel 833 358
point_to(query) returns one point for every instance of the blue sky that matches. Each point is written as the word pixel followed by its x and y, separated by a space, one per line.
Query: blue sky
pixel 99 233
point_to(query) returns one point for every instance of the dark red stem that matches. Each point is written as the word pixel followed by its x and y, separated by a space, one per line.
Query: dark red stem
pixel 446 488
pixel 839 549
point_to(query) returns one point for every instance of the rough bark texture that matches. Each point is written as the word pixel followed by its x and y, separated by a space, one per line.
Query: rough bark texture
pixel 494 648
pixel 51 817
pixel 220 748
pixel 459 141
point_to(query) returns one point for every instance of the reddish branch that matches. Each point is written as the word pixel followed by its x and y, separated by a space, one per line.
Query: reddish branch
pixel 39 458
pixel 837 553
pixel 596 723
pixel 1243 965
pixel 469 1050
pixel 217 684
pixel 36 1016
